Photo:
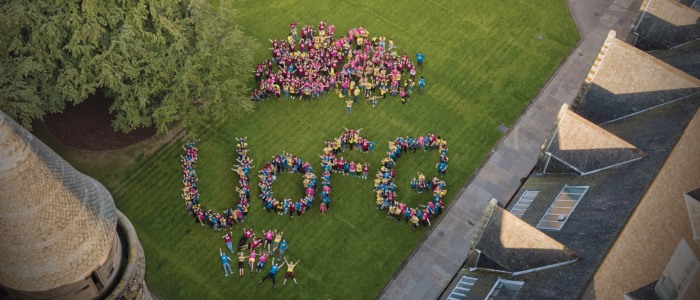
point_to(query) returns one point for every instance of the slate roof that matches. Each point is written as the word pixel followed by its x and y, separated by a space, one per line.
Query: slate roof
pixel 646 292
pixel 587 148
pixel 515 245
pixel 667 23
pixel 625 80
pixel 592 228
pixel 685 57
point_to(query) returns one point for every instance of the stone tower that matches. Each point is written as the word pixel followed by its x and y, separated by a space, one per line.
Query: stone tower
pixel 62 237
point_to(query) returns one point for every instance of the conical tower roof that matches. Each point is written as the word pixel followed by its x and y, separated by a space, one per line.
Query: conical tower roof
pixel 57 225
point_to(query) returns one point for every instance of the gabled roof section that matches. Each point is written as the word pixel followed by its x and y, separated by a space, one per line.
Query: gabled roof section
pixel 517 246
pixel 692 202
pixel 587 148
pixel 625 80
pixel 667 23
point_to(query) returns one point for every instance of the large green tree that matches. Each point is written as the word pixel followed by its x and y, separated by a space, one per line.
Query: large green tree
pixel 161 61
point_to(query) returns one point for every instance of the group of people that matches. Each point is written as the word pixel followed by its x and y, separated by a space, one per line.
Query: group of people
pixel 190 191
pixel 286 162
pixel 348 140
pixel 257 252
pixel 385 188
pixel 314 61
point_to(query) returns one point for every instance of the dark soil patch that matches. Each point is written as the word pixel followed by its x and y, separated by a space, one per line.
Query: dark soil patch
pixel 88 126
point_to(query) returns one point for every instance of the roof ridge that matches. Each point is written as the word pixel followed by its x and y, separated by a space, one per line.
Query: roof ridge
pixel 601 56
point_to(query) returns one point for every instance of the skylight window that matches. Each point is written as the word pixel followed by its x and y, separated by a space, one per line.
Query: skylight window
pixel 504 289
pixel 523 203
pixel 563 206
pixel 462 289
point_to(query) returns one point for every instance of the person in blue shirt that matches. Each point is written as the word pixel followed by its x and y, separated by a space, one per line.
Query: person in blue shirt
pixel 419 59
pixel 272 273
pixel 442 168
pixel 421 84
pixel 283 247
pixel 297 207
pixel 224 261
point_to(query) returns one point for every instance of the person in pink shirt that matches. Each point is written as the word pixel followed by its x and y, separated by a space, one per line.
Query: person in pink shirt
pixel 251 259
pixel 269 235
pixel 229 243
pixel 261 261
pixel 257 242
pixel 247 233
pixel 323 209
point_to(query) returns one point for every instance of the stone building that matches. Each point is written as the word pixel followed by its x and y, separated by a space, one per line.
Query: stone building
pixel 612 207
pixel 62 237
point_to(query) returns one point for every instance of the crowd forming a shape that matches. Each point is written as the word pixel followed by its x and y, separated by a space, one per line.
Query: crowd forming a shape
pixel 311 63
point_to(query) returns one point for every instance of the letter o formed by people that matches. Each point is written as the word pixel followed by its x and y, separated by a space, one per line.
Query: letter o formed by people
pixel 281 163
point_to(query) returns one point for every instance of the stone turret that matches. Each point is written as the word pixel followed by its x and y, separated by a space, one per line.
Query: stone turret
pixel 62 237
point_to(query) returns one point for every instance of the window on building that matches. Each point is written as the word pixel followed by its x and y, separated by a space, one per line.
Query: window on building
pixel 504 289
pixel 97 281
pixel 462 289
pixel 523 203
pixel 678 274
pixel 562 207
pixel 692 202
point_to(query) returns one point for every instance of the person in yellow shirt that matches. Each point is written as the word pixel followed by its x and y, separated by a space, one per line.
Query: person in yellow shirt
pixel 241 263
pixel 374 99
pixel 368 89
pixel 290 271
pixel 348 106
pixel 414 222
pixel 278 239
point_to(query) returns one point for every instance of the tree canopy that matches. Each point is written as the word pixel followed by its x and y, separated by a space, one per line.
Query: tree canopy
pixel 161 61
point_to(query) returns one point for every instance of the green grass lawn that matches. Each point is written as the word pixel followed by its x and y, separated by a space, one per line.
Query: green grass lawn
pixel 483 64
